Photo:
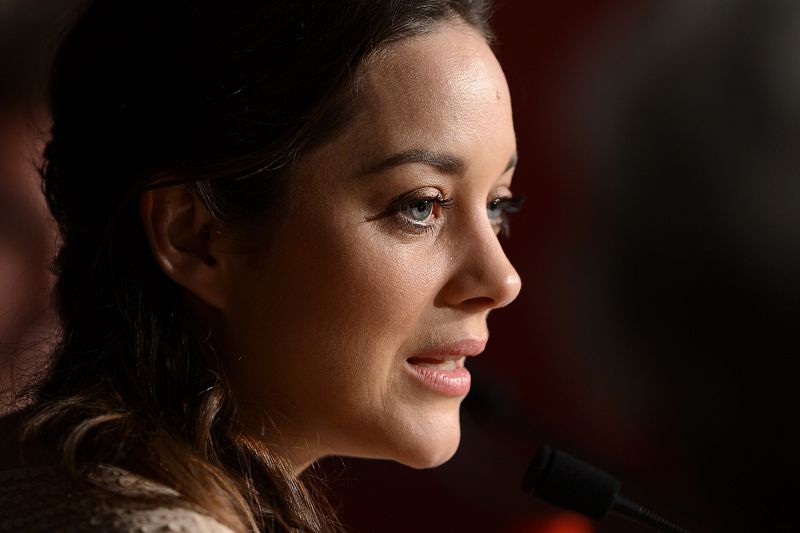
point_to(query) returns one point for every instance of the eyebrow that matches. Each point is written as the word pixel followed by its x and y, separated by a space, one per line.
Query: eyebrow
pixel 446 163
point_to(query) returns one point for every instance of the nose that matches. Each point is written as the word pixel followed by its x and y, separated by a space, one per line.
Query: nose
pixel 483 278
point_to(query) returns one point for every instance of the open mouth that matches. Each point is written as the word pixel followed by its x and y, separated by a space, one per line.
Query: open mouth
pixel 442 374
pixel 439 363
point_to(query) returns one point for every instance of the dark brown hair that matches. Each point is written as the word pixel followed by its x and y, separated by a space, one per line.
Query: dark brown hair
pixel 224 96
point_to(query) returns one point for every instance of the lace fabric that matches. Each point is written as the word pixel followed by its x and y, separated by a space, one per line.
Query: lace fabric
pixel 47 499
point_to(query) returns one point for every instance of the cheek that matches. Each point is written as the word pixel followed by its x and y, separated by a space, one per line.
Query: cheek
pixel 336 301
pixel 361 286
pixel 26 250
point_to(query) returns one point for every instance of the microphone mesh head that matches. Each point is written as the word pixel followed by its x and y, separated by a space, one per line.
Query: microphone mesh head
pixel 569 483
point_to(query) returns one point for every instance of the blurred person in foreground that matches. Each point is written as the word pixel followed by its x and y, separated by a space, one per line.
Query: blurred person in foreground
pixel 692 262
pixel 28 235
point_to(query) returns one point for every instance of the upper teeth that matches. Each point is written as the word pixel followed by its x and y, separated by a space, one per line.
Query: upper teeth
pixel 447 364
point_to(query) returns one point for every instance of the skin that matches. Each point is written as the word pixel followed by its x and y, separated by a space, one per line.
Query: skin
pixel 318 326
pixel 28 241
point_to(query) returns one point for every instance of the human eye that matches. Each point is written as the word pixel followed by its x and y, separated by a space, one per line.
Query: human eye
pixel 419 211
pixel 499 210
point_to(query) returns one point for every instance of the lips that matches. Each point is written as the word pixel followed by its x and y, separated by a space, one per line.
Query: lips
pixel 441 368
pixel 454 350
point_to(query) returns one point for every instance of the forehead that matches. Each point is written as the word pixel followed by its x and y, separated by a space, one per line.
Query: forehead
pixel 444 90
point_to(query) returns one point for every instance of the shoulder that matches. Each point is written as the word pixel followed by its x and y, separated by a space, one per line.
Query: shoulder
pixel 107 499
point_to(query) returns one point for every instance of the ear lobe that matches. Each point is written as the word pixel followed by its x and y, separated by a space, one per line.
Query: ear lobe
pixel 179 229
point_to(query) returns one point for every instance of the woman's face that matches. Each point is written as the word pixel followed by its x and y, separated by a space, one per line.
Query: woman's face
pixel 350 330
pixel 28 242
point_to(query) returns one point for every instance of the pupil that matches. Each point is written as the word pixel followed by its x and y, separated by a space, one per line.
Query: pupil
pixel 421 210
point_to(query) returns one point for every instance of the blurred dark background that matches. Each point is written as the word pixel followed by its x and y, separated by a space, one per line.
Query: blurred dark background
pixel 656 333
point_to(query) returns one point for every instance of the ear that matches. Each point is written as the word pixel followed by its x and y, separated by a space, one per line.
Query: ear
pixel 180 230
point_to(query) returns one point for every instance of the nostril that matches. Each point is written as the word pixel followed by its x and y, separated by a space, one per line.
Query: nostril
pixel 481 302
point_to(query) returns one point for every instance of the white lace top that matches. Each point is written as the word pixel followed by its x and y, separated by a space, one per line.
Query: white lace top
pixel 45 499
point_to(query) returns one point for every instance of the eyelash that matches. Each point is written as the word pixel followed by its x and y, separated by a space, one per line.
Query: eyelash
pixel 507 205
pixel 408 200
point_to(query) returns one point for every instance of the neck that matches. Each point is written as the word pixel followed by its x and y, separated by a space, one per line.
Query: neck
pixel 296 451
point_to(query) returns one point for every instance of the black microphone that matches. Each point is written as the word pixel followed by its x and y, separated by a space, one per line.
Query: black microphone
pixel 571 484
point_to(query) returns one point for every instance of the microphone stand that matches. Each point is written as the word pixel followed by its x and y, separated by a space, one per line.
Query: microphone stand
pixel 571 484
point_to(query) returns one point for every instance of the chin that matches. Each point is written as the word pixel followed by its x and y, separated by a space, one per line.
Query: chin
pixel 428 450
pixel 421 462
pixel 419 437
